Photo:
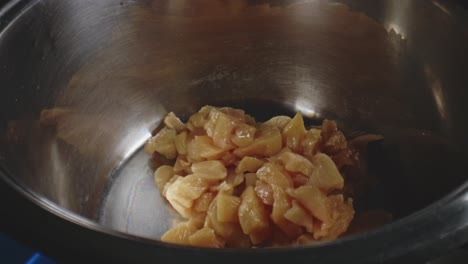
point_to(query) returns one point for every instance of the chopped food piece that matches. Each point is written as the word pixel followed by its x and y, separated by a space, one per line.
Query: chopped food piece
pixel 274 174
pixel 281 204
pixel 180 233
pixel 199 119
pixel 326 175
pixel 309 143
pixel 244 135
pixel 163 143
pixel 186 189
pixel 212 170
pixel 341 214
pixel 222 129
pixel 181 143
pixel 206 237
pixel 298 215
pixel 296 163
pixel 223 229
pixel 203 202
pixel 249 164
pixel 162 175
pixel 228 207
pixel 278 121
pixel 242 184
pixel 294 133
pixel 253 217
pixel 169 183
pixel 264 192
pixel 173 122
pixel 223 187
pixel 313 200
pixel 202 148
pixel 234 179
pixel 264 146
pixel 182 166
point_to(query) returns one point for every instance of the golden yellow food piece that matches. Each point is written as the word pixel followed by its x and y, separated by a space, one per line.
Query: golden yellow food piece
pixel 326 175
pixel 186 189
pixel 278 121
pixel 198 120
pixel 169 183
pixel 253 217
pixel 206 237
pixel 296 163
pixel 202 203
pixel 313 200
pixel 197 218
pixel 211 121
pixel 234 179
pixel 274 174
pixel 223 187
pixel 309 143
pixel 244 135
pixel 222 129
pixel 243 184
pixel 294 133
pixel 342 214
pixel 227 208
pixel 182 166
pixel 266 145
pixel 181 143
pixel 298 215
pixel 180 233
pixel 163 143
pixel 223 229
pixel 211 170
pixel 202 148
pixel 281 204
pixel 162 175
pixel 264 192
pixel 173 122
pixel 249 164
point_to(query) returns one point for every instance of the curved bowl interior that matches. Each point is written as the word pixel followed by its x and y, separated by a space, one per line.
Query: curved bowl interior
pixel 115 68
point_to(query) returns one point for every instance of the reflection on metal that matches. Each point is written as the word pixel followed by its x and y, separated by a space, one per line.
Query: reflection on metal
pixel 438 93
pixel 441 7
pixel 305 108
pixel 397 14
pixel 138 138
pixel 396 29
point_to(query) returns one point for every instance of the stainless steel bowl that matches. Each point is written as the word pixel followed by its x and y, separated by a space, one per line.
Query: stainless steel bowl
pixel 79 184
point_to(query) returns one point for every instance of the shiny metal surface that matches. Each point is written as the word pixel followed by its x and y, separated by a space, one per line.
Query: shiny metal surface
pixel 116 68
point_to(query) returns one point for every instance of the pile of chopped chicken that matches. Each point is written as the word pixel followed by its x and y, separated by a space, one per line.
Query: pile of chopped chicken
pixel 239 183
